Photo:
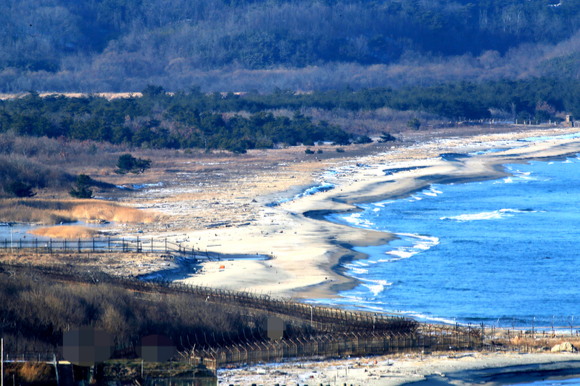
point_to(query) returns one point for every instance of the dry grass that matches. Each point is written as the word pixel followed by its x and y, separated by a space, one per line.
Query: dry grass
pixel 62 211
pixel 66 232
pixel 36 373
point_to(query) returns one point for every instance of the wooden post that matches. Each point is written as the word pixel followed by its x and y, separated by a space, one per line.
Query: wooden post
pixel 79 245
pixel 109 243
pixel 36 245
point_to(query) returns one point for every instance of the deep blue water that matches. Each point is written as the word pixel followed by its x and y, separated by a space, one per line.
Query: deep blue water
pixel 493 251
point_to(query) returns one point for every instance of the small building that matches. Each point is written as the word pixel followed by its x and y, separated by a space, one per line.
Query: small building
pixel 569 121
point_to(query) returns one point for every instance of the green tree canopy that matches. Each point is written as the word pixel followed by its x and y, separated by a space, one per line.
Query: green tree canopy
pixel 129 164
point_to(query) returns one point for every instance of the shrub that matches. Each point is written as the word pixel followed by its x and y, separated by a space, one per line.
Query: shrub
pixel 20 189
pixel 319 151
pixel 308 151
pixel 387 137
pixel 339 150
pixel 81 189
pixel 129 164
pixel 414 124
pixel 363 139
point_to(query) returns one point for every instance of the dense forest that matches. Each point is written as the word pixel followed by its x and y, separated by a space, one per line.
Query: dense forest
pixel 192 119
pixel 123 45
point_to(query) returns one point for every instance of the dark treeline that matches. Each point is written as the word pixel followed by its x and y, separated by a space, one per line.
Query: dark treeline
pixel 159 120
pixel 196 120
pixel 38 34
pixel 111 41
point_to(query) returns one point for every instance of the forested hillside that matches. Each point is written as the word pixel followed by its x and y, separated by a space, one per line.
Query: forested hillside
pixel 239 45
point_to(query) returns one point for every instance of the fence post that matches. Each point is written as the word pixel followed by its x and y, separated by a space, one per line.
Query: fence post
pixel 79 245
pixel 36 245
pixel 166 245
pixel 123 244
pixel 109 243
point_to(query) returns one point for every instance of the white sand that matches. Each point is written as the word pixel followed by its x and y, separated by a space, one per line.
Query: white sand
pixel 464 368
pixel 306 250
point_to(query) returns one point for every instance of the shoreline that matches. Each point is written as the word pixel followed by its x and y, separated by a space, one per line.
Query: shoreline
pixel 438 369
pixel 308 254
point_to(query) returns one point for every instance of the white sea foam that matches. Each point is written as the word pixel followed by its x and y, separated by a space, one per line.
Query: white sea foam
pixel 426 317
pixel 495 215
pixel 377 286
pixel 418 244
pixel 508 180
pixel 359 270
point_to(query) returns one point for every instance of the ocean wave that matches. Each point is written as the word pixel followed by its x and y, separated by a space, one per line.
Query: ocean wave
pixel 377 286
pixel 325 187
pixel 382 204
pixel 550 138
pixel 495 215
pixel 420 316
pixel 417 244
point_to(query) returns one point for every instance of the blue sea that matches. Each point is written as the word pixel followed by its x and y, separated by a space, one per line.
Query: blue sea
pixel 497 252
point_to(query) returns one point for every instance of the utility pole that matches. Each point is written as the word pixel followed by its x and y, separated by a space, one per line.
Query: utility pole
pixel 2 365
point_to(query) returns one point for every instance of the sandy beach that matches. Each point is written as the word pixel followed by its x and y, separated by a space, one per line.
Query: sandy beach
pixel 465 368
pixel 307 251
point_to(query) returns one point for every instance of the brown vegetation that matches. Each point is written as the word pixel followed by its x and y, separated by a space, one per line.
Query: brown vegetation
pixel 66 232
pixel 36 313
pixel 29 373
pixel 48 212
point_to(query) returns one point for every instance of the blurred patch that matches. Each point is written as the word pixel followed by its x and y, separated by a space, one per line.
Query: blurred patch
pixel 156 348
pixel 86 346
pixel 275 328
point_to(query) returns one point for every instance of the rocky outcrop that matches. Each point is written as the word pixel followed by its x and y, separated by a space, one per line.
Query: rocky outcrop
pixel 564 347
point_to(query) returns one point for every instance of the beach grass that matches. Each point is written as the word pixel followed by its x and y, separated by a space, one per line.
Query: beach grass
pixel 66 232
pixel 50 212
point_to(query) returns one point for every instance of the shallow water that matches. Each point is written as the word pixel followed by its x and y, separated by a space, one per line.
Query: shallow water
pixel 497 252
pixel 20 231
pixel 554 382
